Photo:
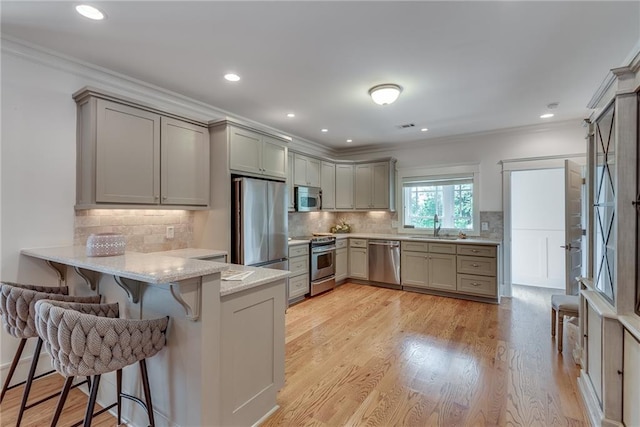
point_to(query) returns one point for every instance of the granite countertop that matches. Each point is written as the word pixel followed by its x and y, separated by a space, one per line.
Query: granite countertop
pixel 193 253
pixel 404 237
pixel 260 276
pixel 148 268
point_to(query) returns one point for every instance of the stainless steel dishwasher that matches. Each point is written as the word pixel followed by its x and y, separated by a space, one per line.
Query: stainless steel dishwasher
pixel 384 261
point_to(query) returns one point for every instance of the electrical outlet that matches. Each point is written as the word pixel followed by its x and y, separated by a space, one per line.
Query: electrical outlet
pixel 484 226
pixel 170 232
pixel 394 224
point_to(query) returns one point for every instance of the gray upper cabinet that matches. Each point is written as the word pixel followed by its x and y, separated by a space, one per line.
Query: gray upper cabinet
pixel 328 185
pixel 256 154
pixel 132 155
pixel 306 171
pixel 372 186
pixel 127 154
pixel 344 187
pixel 184 153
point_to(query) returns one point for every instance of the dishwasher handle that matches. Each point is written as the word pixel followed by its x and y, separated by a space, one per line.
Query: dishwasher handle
pixel 389 244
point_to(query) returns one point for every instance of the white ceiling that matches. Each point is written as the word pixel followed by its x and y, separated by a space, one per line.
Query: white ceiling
pixel 464 66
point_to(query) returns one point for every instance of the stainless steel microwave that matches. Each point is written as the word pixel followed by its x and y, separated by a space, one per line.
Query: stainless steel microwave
pixel 308 199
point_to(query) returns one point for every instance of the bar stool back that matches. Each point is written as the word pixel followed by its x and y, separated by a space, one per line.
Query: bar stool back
pixel 17 310
pixel 86 344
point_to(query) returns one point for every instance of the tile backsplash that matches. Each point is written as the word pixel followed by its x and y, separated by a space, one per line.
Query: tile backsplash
pixel 144 230
pixel 303 224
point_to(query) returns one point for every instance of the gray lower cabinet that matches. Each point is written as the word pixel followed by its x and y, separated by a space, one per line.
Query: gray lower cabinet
pixel 429 270
pixel 358 259
pixel 131 155
pixel 342 260
pixel 252 347
pixel 299 268
pixel 447 267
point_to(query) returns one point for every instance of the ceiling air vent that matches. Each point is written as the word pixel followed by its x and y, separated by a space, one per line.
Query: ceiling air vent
pixel 406 126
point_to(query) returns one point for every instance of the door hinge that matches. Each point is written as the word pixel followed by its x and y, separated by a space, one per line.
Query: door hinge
pixel 584 181
pixel 584 232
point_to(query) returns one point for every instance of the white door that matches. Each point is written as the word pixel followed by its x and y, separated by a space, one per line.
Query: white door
pixel 573 225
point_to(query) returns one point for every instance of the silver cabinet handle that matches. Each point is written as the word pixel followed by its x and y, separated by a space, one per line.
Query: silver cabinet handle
pixel 156 197
pixel 475 251
pixel 474 284
pixel 475 265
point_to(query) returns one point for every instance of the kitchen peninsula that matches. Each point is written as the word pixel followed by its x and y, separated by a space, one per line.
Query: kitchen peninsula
pixel 224 359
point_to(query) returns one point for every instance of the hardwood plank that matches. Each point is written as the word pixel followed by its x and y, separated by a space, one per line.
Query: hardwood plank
pixel 363 355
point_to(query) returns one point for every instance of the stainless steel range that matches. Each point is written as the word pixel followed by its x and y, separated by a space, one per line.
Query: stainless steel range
pixel 322 264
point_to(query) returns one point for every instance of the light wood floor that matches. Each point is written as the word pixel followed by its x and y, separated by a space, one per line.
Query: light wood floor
pixel 40 415
pixel 362 355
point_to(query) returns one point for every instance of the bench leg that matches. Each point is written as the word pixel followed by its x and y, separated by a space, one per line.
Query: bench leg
pixel 560 329
pixel 553 322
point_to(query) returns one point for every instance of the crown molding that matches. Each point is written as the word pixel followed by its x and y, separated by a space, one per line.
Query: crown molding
pixel 631 65
pixel 122 85
pixel 536 128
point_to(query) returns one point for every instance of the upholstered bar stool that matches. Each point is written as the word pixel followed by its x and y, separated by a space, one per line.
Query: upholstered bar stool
pixel 562 305
pixel 82 344
pixel 17 309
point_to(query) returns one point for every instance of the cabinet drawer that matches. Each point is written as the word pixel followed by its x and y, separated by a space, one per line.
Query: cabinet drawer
pixel 298 250
pixel 358 243
pixel 415 246
pixel 298 286
pixel 478 285
pixel 477 265
pixel 442 248
pixel 477 250
pixel 342 243
pixel 299 265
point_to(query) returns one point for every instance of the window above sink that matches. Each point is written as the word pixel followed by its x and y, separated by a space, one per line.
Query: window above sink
pixel 450 193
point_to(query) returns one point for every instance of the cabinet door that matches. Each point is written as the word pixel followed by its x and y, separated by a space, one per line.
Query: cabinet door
pixel 631 381
pixel 594 350
pixel 380 181
pixel 313 172
pixel 245 151
pixel 358 263
pixel 363 186
pixel 290 166
pixel 344 186
pixel 414 269
pixel 127 154
pixel 185 163
pixel 274 158
pixel 442 272
pixel 328 185
pixel 300 170
pixel 342 264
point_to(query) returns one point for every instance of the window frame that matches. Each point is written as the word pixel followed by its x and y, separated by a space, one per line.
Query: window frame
pixel 443 173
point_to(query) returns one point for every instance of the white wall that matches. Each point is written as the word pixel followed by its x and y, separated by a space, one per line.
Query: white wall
pixel 537 224
pixel 487 149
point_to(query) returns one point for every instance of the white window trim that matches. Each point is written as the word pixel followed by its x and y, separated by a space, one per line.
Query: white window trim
pixel 442 172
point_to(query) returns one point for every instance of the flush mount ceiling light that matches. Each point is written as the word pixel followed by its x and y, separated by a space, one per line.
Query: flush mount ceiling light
pixel 232 77
pixel 385 94
pixel 89 12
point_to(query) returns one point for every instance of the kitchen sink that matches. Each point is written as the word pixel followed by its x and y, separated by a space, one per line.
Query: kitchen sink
pixel 434 238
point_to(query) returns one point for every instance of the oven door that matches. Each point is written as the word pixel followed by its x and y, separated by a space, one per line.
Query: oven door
pixel 322 263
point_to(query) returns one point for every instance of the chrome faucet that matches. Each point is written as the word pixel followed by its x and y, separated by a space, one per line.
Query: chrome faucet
pixel 436 226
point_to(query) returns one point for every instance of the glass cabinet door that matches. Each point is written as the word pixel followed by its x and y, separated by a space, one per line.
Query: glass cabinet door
pixel 605 204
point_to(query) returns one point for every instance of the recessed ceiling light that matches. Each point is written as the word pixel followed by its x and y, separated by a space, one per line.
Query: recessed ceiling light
pixel 349 140
pixel 424 130
pixel 324 130
pixel 291 115
pixel 89 12
pixel 546 116
pixel 232 77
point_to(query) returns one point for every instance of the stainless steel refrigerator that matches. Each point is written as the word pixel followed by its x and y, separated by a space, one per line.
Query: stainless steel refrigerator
pixel 260 223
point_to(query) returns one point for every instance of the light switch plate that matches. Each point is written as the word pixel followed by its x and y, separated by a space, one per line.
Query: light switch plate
pixel 484 226
pixel 170 232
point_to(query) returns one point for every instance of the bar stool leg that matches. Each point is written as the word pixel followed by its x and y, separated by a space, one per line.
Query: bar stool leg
pixel 88 416
pixel 119 394
pixel 27 387
pixel 147 391
pixel 61 401
pixel 12 369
